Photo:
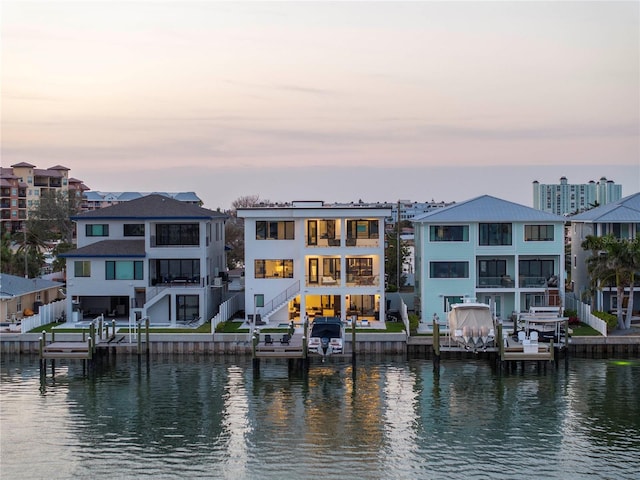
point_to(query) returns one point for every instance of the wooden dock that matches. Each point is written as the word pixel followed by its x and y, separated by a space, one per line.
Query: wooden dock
pixel 67 350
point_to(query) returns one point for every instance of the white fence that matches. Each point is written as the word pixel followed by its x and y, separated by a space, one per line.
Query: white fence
pixel 49 313
pixel 584 314
pixel 227 309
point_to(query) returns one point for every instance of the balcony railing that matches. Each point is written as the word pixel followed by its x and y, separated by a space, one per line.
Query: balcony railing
pixel 323 281
pixel 495 282
pixel 363 280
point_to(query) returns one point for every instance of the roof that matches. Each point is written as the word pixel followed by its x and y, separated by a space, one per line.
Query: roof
pixel 487 209
pixel 14 286
pixel 625 210
pixel 109 248
pixel 151 207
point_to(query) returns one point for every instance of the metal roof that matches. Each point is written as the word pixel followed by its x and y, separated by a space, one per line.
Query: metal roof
pixel 487 209
pixel 14 286
pixel 625 210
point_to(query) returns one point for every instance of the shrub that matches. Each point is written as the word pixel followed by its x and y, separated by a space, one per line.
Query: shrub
pixel 573 317
pixel 414 322
pixel 610 319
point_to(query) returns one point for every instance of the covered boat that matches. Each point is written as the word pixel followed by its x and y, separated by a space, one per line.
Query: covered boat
pixel 471 325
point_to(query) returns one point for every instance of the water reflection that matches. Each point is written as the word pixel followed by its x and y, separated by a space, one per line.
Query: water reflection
pixel 212 418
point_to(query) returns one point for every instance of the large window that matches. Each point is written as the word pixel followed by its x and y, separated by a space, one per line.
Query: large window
pixel 186 270
pixel 449 233
pixel 495 234
pixel 359 267
pixel 82 268
pixel 362 229
pixel 538 233
pixel 275 230
pixel 94 230
pixel 449 269
pixel 535 272
pixel 124 270
pixel 178 234
pixel 134 230
pixel 274 269
pixel 187 308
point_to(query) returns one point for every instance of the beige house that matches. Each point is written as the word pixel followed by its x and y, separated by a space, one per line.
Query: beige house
pixel 18 294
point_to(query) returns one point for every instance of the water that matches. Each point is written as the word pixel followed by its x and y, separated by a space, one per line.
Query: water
pixel 210 418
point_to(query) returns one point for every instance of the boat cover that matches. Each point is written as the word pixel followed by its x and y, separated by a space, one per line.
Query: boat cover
pixel 470 319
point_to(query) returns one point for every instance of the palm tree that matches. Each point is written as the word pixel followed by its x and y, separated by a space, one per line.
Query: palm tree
pixel 609 263
pixel 634 257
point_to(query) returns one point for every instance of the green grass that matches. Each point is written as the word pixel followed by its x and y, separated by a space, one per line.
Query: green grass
pixel 583 330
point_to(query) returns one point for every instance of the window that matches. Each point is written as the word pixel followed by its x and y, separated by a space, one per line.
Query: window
pixel 96 230
pixel 449 233
pixel 178 234
pixel 448 301
pixel 495 234
pixel 449 269
pixel 134 230
pixel 81 269
pixel 362 229
pixel 538 233
pixel 124 270
pixel 492 268
pixel 276 230
pixel 359 267
pixel 274 269
pixel 177 270
pixel 187 308
pixel 535 272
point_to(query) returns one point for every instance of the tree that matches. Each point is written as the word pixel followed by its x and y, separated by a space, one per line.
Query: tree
pixel 391 260
pixel 51 218
pixel 611 263
pixel 234 229
pixel 7 256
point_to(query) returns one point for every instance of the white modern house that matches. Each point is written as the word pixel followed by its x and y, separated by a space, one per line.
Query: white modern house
pixel 501 253
pixel 620 219
pixel 311 259
pixel 150 257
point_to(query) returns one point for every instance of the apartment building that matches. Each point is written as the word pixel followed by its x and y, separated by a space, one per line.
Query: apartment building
pixel 567 199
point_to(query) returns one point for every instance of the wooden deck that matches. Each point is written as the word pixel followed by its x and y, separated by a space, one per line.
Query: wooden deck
pixel 67 350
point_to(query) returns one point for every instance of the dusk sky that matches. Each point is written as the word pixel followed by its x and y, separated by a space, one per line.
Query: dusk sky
pixel 334 101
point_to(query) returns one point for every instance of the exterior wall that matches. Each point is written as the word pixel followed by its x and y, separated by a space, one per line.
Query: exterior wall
pixel 9 307
pixel 433 291
pixel 297 250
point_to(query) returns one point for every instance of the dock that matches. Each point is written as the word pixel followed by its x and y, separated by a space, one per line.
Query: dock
pixel 67 350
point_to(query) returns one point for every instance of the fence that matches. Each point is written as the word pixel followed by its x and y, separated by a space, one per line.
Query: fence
pixel 49 313
pixel 227 309
pixel 584 314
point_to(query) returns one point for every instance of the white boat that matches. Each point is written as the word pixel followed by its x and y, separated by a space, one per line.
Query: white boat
pixel 471 325
pixel 327 336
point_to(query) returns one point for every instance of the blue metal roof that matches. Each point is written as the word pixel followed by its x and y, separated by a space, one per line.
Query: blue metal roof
pixel 625 210
pixel 487 209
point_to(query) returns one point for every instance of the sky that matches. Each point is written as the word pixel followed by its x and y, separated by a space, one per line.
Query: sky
pixel 334 101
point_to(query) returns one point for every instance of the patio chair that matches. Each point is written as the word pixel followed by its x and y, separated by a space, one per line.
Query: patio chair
pixel 268 340
pixel 285 339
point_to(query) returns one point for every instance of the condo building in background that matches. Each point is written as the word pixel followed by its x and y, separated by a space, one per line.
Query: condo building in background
pixel 567 199
pixel 22 185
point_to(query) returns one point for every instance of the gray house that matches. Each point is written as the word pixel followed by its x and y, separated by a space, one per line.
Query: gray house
pixel 621 219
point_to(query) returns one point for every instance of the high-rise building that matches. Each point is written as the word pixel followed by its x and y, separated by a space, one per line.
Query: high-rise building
pixel 566 199
pixel 22 185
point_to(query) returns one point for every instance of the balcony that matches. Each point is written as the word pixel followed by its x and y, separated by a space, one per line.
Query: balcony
pixel 503 281
pixel 363 280
pixel 323 280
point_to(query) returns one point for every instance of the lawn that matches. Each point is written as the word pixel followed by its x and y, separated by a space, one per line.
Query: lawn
pixel 583 330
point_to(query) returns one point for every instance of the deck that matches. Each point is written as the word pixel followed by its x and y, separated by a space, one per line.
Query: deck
pixel 67 350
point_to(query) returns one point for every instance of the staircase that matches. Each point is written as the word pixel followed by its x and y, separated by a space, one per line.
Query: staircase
pixel 280 301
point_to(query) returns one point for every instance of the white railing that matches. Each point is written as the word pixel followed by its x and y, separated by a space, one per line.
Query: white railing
pixel 279 300
pixel 49 313
pixel 404 315
pixel 584 314
pixel 227 309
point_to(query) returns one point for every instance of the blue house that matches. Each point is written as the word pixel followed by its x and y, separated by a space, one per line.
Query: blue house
pixel 501 253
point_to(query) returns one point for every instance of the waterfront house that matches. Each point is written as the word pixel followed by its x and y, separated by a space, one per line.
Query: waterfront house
pixel 150 257
pixel 501 253
pixel 620 219
pixel 18 294
pixel 310 259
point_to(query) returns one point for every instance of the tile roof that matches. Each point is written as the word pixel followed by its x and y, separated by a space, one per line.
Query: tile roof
pixel 625 210
pixel 109 248
pixel 487 209
pixel 12 285
pixel 151 207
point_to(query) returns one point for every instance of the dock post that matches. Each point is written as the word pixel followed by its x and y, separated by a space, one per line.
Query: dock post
pixel 500 341
pixel 255 339
pixel 436 346
pixel 353 344
pixel 566 344
pixel 146 335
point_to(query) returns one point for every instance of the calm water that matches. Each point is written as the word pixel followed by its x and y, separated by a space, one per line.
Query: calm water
pixel 193 418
